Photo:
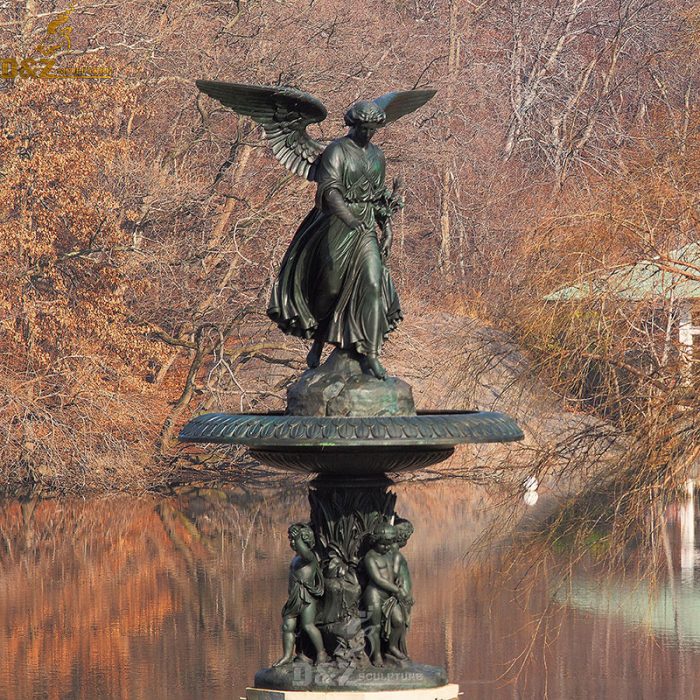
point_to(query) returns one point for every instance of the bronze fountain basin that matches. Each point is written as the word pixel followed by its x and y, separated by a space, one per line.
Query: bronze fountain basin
pixel 351 446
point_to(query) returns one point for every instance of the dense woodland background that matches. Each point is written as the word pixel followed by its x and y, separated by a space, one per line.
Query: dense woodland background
pixel 141 223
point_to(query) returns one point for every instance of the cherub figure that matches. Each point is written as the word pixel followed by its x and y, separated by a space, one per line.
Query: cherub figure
pixel 404 530
pixel 305 590
pixel 334 285
pixel 385 601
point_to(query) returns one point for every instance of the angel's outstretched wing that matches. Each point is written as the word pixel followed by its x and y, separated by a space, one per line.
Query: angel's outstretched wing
pixel 284 114
pixel 398 104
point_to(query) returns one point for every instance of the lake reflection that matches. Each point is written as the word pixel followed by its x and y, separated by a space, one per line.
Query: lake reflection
pixel 179 597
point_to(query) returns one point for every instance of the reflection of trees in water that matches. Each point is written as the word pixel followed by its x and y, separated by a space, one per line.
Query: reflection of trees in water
pixel 69 573
pixel 179 597
pixel 93 589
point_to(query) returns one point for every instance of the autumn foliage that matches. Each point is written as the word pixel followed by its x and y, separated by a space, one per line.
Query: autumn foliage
pixel 142 223
pixel 73 356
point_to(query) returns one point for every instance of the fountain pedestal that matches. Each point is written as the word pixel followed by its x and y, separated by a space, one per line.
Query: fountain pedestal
pixel 350 597
pixel 361 593
pixel 447 692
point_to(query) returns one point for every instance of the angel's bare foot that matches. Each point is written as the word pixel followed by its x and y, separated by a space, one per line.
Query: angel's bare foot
pixel 375 367
pixel 313 359
pixel 377 660
pixel 322 657
pixel 286 659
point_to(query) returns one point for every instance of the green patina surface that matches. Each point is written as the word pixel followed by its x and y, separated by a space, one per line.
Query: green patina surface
pixel 435 430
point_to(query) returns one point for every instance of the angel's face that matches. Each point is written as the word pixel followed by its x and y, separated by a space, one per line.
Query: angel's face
pixel 363 132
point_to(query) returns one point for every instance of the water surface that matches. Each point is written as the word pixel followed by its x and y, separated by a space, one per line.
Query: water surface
pixel 179 597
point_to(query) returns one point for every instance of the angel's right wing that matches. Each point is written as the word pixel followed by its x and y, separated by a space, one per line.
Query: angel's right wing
pixel 398 104
pixel 284 114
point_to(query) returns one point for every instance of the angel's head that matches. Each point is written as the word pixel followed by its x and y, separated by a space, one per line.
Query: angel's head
pixel 364 118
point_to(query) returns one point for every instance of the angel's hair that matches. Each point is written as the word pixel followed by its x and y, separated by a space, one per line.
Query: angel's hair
pixel 365 112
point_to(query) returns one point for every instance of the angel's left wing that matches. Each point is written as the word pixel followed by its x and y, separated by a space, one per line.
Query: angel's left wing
pixel 398 104
pixel 284 114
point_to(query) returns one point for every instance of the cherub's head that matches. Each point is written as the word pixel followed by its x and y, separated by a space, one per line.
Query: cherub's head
pixel 383 537
pixel 364 118
pixel 404 530
pixel 301 531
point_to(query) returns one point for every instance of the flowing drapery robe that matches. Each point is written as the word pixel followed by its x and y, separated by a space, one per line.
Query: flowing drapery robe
pixel 333 284
pixel 302 592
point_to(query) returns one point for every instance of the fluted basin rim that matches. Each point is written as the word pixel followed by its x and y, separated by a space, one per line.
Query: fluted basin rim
pixel 438 429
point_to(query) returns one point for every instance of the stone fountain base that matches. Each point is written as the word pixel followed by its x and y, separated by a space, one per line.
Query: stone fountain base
pixel 340 387
pixel 445 692
pixel 333 677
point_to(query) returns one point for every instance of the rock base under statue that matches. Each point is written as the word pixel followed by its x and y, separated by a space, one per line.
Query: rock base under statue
pixel 299 676
pixel 339 387
pixel 445 692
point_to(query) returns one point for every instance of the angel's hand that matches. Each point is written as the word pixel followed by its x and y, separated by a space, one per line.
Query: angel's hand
pixel 386 243
pixel 336 205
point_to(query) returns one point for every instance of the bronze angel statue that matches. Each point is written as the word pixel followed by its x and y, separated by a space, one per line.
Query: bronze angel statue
pixel 334 285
